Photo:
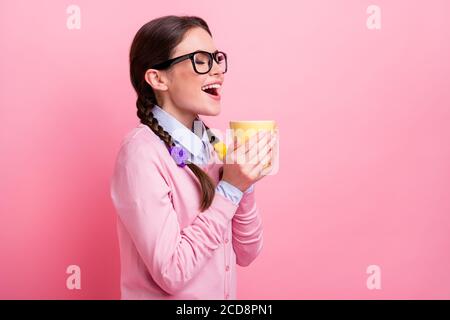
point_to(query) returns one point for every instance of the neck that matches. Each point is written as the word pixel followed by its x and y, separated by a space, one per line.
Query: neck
pixel 185 117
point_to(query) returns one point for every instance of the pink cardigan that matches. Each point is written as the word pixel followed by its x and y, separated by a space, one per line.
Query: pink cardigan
pixel 168 248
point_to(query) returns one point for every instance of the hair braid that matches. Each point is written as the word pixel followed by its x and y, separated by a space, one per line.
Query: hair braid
pixel 144 112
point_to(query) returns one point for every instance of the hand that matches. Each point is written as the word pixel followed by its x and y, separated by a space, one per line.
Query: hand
pixel 246 162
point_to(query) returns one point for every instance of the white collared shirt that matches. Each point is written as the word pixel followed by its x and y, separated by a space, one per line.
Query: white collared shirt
pixel 197 143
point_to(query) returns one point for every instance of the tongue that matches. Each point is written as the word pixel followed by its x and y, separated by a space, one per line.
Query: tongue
pixel 211 91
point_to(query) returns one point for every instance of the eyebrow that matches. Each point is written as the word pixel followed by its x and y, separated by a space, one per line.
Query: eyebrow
pixel 183 54
pixel 206 50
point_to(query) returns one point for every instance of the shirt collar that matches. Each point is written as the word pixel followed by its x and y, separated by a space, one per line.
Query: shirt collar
pixel 187 138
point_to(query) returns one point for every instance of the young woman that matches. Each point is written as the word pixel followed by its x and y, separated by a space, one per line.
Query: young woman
pixel 185 219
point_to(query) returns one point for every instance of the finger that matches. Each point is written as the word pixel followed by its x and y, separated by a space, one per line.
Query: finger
pixel 263 151
pixel 258 169
pixel 266 149
pixel 249 141
pixel 238 154
pixel 257 147
pixel 236 144
pixel 248 147
pixel 266 158
pixel 267 169
pixel 251 152
pixel 235 150
pixel 241 147
pixel 261 139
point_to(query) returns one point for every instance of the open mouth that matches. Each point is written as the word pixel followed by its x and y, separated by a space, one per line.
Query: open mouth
pixel 212 89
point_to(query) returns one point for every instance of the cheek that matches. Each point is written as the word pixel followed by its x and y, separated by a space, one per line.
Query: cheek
pixel 188 88
pixel 187 91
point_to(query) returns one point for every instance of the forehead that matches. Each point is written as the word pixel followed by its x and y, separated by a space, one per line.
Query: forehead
pixel 195 39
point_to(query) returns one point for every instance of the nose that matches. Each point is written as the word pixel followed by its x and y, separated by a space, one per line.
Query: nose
pixel 216 68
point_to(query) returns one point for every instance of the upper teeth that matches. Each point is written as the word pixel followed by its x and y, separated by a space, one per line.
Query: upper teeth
pixel 209 86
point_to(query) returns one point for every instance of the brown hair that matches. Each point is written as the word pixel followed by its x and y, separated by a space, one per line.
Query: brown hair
pixel 152 44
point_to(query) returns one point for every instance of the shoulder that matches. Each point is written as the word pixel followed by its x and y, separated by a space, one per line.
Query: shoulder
pixel 140 167
pixel 141 144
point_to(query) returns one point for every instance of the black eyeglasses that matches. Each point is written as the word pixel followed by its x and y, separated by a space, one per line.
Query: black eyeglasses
pixel 202 61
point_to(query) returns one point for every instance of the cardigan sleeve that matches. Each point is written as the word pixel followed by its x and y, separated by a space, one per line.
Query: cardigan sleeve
pixel 141 196
pixel 247 230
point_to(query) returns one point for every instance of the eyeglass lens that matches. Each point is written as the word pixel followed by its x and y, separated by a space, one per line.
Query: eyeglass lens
pixel 203 62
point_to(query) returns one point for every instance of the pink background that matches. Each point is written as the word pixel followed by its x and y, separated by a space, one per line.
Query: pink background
pixel 364 124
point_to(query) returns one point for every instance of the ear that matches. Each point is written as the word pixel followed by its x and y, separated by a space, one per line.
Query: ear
pixel 156 79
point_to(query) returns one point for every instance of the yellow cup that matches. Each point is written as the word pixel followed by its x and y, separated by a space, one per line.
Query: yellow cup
pixel 246 129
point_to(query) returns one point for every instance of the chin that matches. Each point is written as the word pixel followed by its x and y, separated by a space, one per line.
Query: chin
pixel 211 111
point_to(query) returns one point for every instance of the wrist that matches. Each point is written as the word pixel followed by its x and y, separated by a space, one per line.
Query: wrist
pixel 235 185
pixel 229 191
